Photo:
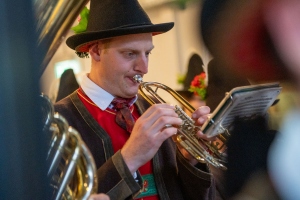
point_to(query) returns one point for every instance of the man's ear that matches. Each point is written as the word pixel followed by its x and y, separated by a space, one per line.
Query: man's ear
pixel 94 52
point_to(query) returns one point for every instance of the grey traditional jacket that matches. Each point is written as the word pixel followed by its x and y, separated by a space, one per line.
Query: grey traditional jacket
pixel 175 178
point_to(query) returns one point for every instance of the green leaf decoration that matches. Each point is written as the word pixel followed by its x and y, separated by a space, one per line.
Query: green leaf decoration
pixel 82 25
pixel 180 79
pixel 181 3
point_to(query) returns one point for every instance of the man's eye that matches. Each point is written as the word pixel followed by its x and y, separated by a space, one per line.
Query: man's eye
pixel 148 53
pixel 129 54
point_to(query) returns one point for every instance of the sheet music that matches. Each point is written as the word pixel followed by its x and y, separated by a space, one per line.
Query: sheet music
pixel 246 101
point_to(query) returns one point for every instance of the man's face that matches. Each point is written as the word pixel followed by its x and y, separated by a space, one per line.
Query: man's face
pixel 120 59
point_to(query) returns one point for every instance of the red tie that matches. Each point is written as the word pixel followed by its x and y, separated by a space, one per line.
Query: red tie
pixel 123 117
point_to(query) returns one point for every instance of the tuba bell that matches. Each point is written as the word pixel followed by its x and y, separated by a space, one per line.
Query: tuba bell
pixel 72 170
pixel 203 151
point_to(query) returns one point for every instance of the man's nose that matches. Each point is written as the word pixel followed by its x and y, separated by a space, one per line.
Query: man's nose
pixel 142 64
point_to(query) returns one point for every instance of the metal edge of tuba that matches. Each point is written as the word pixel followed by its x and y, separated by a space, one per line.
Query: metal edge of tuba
pixel 203 151
pixel 72 170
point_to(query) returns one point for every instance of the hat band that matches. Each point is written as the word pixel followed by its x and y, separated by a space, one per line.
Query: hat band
pixel 132 25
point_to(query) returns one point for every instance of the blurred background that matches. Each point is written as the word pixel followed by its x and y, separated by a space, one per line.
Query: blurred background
pixel 29 69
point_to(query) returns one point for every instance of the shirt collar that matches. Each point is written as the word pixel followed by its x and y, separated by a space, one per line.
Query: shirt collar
pixel 98 95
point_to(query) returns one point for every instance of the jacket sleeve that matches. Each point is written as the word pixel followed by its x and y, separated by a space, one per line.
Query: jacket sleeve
pixel 116 180
pixel 197 181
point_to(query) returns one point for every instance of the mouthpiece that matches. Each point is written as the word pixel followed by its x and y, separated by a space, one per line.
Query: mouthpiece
pixel 138 78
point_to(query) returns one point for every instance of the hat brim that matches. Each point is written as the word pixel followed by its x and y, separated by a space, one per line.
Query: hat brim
pixel 80 42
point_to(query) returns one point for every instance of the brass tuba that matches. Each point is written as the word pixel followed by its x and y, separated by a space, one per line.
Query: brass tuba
pixel 203 151
pixel 72 170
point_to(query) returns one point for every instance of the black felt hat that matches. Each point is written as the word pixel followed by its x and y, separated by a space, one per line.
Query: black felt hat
pixel 112 18
pixel 195 67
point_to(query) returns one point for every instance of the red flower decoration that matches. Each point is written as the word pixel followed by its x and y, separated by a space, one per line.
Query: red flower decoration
pixel 198 85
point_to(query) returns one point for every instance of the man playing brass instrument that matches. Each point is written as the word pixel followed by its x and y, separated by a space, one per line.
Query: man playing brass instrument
pixel 136 158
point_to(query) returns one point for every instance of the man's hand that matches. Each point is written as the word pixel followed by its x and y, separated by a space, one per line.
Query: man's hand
pixel 148 133
pixel 199 116
pixel 100 196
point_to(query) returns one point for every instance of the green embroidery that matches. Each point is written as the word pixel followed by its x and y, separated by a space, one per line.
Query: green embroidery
pixel 149 188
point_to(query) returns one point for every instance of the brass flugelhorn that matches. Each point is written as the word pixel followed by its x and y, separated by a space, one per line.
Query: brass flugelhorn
pixel 201 150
